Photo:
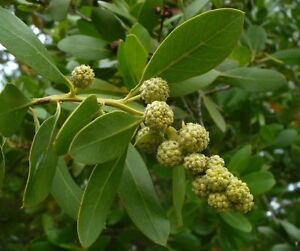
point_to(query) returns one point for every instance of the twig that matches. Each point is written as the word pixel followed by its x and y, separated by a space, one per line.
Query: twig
pixel 186 106
pixel 218 89
pixel 199 108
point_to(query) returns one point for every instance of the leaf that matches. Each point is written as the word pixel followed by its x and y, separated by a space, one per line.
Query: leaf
pixel 97 199
pixel 143 35
pixel 214 113
pixel 237 221
pixel 255 79
pixel 240 160
pixel 140 200
pixel 104 139
pixel 58 9
pixel 84 47
pixel 288 56
pixel 282 247
pixel 256 37
pixel 186 53
pixel 193 84
pixel 107 24
pixel 286 137
pixel 259 182
pixel 291 229
pixel 22 42
pixel 42 162
pixel 13 107
pixel 80 117
pixel 2 167
pixel 194 8
pixel 178 192
pixel 132 58
pixel 65 191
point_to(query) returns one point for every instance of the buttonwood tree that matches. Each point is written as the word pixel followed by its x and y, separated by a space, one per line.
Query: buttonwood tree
pixel 147 125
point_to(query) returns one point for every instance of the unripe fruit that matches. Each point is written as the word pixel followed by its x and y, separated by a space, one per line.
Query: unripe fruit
pixel 82 76
pixel 195 162
pixel 199 186
pixel 154 89
pixel 218 178
pixel 148 140
pixel 219 201
pixel 169 153
pixel 215 161
pixel 158 115
pixel 193 137
pixel 237 190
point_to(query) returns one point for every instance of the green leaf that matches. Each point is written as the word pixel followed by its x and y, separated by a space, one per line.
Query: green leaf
pixel 132 58
pixel 42 162
pixel 22 42
pixel 143 35
pixel 140 200
pixel 288 56
pixel 286 137
pixel 282 247
pixel 214 113
pixel 178 192
pixel 240 160
pixel 58 9
pixel 237 221
pixel 2 167
pixel 65 191
pixel 107 24
pixel 194 8
pixel 193 84
pixel 84 47
pixel 186 53
pixel 255 79
pixel 13 107
pixel 259 182
pixel 256 37
pixel 97 199
pixel 291 229
pixel 105 138
pixel 80 117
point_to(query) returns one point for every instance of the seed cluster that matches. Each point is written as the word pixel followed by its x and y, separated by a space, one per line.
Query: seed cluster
pixel 212 180
pixel 82 76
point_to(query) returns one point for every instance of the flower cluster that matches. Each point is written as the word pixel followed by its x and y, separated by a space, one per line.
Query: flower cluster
pixel 82 76
pixel 212 180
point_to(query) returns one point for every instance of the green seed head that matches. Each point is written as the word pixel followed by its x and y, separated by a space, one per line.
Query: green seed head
pixel 218 178
pixel 148 140
pixel 154 89
pixel 215 161
pixel 193 138
pixel 199 186
pixel 195 162
pixel 82 76
pixel 169 153
pixel 237 190
pixel 158 115
pixel 245 205
pixel 219 201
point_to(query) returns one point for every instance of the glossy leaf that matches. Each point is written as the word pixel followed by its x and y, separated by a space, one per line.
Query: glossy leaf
pixel 291 229
pixel 22 42
pixel 42 162
pixel 193 84
pixel 255 79
pixel 259 182
pixel 214 113
pixel 240 160
pixel 107 24
pixel 80 117
pixel 237 221
pixel 256 37
pixel 194 8
pixel 85 47
pixel 65 191
pixel 178 192
pixel 140 200
pixel 132 58
pixel 13 107
pixel 97 199
pixel 143 35
pixel 288 56
pixel 105 138
pixel 58 9
pixel 186 53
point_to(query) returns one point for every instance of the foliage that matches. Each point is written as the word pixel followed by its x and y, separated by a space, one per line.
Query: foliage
pixel 68 154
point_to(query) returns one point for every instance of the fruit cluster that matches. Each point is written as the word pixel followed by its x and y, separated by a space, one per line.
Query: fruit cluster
pixel 212 180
